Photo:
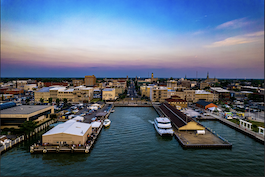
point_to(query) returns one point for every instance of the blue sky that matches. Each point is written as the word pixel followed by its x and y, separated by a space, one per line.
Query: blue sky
pixel 118 38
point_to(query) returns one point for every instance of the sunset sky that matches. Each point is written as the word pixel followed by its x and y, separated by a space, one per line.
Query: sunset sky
pixel 116 38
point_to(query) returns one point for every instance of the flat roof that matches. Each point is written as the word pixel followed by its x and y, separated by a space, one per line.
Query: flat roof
pixel 45 89
pixel 108 89
pixel 219 89
pixel 57 88
pixel 24 109
pixel 202 92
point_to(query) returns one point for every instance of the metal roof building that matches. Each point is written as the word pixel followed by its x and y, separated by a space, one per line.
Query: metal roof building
pixel 70 132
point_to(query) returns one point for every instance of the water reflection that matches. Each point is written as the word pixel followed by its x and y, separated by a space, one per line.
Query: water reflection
pixel 62 159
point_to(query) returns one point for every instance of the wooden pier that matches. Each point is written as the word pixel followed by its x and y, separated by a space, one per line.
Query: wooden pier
pixel 189 138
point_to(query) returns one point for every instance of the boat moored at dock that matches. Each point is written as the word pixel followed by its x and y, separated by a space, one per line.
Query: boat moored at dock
pixel 106 122
pixel 163 126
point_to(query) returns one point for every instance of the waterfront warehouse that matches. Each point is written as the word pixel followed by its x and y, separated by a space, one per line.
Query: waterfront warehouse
pixel 70 132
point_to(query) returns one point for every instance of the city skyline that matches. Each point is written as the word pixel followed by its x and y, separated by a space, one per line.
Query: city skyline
pixel 134 38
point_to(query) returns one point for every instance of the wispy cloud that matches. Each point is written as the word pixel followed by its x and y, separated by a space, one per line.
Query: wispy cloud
pixel 198 32
pixel 241 39
pixel 238 23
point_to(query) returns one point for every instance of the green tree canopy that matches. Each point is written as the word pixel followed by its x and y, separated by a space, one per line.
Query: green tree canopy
pixel 41 100
pixel 28 126
pixel 50 100
pixel 57 101
pixel 65 101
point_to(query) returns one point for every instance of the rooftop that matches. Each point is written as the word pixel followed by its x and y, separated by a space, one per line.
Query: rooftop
pixel 203 103
pixel 201 92
pixel 108 89
pixel 175 100
pixel 219 89
pixel 69 127
pixel 24 109
pixel 45 89
pixel 57 88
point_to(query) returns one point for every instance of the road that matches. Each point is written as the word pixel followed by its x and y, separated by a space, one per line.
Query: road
pixel 131 90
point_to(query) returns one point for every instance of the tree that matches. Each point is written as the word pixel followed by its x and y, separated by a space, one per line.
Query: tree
pixel 57 101
pixel 27 100
pixel 28 126
pixel 171 78
pixel 50 100
pixel 41 100
pixel 65 101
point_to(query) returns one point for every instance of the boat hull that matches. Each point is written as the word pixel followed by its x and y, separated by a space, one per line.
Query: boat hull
pixel 163 133
pixel 106 124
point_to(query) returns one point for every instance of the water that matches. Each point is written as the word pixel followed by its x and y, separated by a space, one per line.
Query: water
pixel 131 147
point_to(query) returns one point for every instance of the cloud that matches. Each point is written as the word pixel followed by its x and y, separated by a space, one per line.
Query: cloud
pixel 238 23
pixel 198 32
pixel 241 39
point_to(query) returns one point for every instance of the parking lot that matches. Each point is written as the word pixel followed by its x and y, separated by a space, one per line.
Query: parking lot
pixel 87 113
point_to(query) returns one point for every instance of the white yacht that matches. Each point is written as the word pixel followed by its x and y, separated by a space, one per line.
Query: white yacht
pixel 163 126
pixel 106 122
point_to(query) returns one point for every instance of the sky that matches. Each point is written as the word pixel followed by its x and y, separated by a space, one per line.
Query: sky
pixel 119 38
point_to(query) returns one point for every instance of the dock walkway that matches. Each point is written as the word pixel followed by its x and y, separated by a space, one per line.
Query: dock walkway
pixel 159 111
pixel 258 137
pixel 9 145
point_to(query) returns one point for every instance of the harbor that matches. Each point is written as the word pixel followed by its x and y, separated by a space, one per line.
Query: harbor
pixel 132 137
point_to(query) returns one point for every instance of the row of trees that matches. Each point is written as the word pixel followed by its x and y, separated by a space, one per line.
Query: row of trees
pixel 57 100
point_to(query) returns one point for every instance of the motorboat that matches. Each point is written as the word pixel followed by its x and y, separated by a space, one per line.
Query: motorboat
pixel 112 110
pixel 106 122
pixel 163 126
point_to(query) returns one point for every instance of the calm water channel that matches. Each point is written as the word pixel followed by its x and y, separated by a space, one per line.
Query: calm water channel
pixel 131 147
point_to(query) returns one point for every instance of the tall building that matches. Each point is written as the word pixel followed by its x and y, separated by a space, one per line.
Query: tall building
pixel 90 80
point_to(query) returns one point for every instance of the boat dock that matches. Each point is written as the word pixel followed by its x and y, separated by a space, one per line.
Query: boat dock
pixel 159 111
pixel 66 149
pixel 9 145
pixel 189 138
pixel 256 136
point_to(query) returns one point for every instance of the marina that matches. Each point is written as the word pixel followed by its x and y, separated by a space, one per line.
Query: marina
pixel 132 138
